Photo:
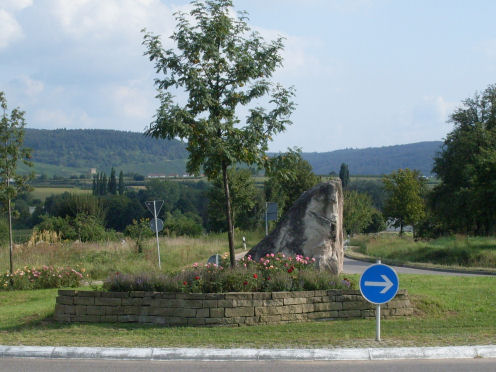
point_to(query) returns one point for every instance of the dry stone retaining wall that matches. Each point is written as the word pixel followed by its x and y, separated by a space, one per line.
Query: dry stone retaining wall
pixel 208 309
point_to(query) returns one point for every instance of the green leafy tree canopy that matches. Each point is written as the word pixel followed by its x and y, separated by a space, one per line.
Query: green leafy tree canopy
pixel 465 200
pixel 220 65
pixel 344 175
pixel 404 204
pixel 289 176
pixel 357 212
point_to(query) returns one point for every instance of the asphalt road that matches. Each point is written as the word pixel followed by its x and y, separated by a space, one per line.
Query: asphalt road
pixel 80 365
pixel 351 266
pixel 357 267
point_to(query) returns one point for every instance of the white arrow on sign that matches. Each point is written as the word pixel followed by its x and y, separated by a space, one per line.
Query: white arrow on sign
pixel 387 284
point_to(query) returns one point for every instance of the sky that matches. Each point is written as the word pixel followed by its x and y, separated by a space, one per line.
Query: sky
pixel 367 73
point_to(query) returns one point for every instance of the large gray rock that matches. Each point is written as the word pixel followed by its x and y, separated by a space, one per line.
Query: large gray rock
pixel 312 227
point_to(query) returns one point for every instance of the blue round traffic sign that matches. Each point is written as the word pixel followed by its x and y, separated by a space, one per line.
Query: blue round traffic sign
pixel 379 284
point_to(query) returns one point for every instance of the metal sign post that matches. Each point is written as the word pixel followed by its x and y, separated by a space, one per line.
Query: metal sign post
pixel 155 223
pixel 378 285
pixel 156 232
pixel 270 215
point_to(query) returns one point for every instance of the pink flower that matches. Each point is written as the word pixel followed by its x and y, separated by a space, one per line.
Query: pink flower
pixel 313 259
pixel 272 255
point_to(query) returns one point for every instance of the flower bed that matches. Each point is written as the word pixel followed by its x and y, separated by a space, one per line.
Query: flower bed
pixel 42 277
pixel 274 272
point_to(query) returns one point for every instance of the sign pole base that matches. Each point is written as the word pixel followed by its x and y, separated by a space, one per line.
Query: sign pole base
pixel 378 323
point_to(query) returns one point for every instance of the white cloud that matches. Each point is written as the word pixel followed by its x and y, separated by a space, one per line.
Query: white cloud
pixel 297 54
pixel 132 101
pixel 441 107
pixel 14 5
pixel 32 87
pixel 112 19
pixel 57 118
pixel 52 118
pixel 488 47
pixel 10 30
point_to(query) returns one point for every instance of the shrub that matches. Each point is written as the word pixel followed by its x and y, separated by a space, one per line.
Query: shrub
pixel 180 225
pixel 61 226
pixel 139 230
pixel 85 228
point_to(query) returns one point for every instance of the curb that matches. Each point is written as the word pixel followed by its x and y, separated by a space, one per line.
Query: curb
pixel 205 354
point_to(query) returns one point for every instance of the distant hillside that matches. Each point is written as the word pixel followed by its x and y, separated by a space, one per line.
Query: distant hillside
pixel 377 160
pixel 67 152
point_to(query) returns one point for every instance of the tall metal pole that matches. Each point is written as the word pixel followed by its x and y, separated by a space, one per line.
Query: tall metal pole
pixel 378 319
pixel 156 232
pixel 266 221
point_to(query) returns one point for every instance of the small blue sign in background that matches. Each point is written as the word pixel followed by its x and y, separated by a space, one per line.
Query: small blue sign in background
pixel 379 284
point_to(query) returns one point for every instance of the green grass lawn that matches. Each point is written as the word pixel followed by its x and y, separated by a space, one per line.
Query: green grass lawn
pixel 454 251
pixel 450 311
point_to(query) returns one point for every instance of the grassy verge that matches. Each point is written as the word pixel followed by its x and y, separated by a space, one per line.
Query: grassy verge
pixel 450 311
pixel 457 252
pixel 102 259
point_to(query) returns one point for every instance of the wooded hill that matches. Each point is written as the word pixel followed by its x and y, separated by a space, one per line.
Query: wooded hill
pixel 377 160
pixel 65 152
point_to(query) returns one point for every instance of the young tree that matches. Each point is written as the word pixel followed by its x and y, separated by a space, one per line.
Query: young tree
pixel 357 212
pixel 11 151
pixel 94 186
pixel 344 174
pixel 221 66
pixel 289 177
pixel 103 186
pixel 405 203
pixel 112 183
pixel 121 186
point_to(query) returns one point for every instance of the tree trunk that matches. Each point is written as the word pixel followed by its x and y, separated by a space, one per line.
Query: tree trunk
pixel 11 243
pixel 230 229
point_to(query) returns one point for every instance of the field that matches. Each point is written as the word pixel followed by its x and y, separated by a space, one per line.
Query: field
pixel 43 192
pixel 102 259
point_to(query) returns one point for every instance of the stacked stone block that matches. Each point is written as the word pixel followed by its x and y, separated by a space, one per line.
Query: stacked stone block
pixel 213 309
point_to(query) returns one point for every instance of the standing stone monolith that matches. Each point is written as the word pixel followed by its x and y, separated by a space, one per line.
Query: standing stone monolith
pixel 312 227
